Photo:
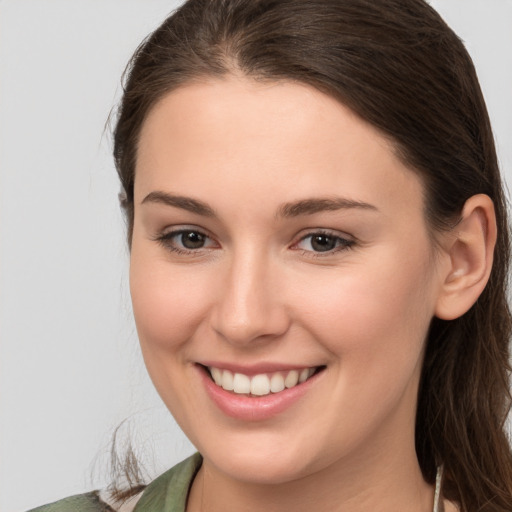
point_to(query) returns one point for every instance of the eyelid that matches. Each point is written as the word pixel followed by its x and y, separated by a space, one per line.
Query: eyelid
pixel 165 237
pixel 348 241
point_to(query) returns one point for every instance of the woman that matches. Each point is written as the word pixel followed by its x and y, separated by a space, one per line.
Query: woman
pixel 319 254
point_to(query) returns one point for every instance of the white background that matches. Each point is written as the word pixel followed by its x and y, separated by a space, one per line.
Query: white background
pixel 70 369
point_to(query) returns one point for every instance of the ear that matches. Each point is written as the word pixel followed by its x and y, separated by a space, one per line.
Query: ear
pixel 469 249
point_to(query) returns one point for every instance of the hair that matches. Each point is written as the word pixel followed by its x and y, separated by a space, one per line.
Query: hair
pixel 398 66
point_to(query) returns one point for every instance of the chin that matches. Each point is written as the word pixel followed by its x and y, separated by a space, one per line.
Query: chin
pixel 253 462
pixel 262 469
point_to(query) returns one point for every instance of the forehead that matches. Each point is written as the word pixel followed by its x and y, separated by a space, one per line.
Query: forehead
pixel 278 140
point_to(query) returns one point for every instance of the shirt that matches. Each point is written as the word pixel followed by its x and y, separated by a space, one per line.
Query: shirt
pixel 167 493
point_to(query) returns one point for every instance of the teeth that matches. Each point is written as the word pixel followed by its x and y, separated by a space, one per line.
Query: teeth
pixel 241 383
pixel 291 379
pixel 227 380
pixel 304 374
pixel 276 383
pixel 217 376
pixel 261 384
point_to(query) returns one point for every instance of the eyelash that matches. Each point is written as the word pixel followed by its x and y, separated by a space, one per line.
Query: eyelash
pixel 166 240
pixel 341 244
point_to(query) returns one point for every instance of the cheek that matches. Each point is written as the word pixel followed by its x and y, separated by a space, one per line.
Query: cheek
pixel 374 313
pixel 373 323
pixel 168 304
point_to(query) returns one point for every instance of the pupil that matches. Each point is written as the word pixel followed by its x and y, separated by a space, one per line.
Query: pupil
pixel 192 240
pixel 323 243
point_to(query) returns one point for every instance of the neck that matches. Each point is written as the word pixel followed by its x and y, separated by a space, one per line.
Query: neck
pixel 388 482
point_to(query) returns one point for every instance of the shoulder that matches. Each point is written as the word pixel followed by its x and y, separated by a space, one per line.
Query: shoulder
pixel 89 502
pixel 168 492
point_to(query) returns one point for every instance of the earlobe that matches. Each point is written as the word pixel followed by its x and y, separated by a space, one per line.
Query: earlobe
pixel 469 254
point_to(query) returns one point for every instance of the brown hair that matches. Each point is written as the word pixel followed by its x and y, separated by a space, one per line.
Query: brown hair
pixel 401 68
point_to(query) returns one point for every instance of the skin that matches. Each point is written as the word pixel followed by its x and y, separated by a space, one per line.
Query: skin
pixel 258 292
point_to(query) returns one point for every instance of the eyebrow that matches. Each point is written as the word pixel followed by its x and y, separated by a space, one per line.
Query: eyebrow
pixel 287 210
pixel 185 203
pixel 316 205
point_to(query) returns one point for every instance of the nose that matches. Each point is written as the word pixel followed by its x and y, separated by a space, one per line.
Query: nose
pixel 250 306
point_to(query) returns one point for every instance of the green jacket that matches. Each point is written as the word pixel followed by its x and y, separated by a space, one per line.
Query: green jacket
pixel 167 493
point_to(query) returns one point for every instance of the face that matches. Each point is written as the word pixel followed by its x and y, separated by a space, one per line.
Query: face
pixel 277 237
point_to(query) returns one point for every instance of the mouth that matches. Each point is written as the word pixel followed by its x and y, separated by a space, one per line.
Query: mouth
pixel 261 384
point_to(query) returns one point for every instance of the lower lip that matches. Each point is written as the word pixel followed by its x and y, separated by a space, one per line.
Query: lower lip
pixel 259 408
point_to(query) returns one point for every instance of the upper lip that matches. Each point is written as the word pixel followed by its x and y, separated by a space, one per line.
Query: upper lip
pixel 258 368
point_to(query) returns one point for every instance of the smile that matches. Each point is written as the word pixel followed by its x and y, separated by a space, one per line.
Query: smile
pixel 261 384
pixel 260 392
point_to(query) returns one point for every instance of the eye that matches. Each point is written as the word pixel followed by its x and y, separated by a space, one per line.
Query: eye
pixel 186 241
pixel 191 239
pixel 322 242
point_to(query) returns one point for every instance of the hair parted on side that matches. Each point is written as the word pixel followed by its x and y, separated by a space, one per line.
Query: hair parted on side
pixel 402 69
